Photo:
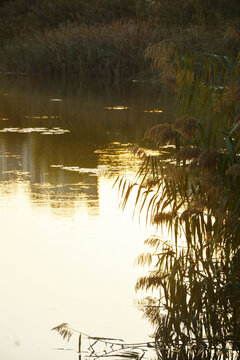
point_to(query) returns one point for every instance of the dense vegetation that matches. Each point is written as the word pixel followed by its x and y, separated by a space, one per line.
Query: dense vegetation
pixel 109 37
pixel 191 192
pixel 25 15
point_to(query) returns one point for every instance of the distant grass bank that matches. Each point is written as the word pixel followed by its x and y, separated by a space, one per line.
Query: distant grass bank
pixel 113 50
pixel 109 38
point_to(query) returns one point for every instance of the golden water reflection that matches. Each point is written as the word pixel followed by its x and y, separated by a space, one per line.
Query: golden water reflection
pixel 67 252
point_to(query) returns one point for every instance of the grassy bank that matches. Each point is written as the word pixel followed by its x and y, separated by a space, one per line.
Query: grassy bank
pixel 113 50
pixel 109 38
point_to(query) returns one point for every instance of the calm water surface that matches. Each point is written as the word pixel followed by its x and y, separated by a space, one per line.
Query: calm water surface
pixel 66 251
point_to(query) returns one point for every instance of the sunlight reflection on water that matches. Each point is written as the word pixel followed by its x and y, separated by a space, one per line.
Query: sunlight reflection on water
pixel 41 130
pixel 67 251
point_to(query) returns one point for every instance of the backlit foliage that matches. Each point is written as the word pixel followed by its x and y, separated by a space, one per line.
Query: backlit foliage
pixel 64 330
pixel 193 197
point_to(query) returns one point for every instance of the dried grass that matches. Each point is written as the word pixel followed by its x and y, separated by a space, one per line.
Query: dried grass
pixel 113 50
pixel 161 134
pixel 188 153
pixel 117 49
pixel 186 126
pixel 164 217
pixel 162 57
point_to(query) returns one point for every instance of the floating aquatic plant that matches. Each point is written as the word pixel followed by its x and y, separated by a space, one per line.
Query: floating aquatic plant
pixel 104 347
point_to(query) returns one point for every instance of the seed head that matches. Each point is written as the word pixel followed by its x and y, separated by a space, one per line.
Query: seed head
pixel 186 126
pixel 161 134
pixel 162 217
pixel 188 153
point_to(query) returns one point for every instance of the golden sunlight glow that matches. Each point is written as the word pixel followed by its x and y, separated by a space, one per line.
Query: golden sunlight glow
pixel 153 111
pixel 42 130
pixel 117 107
pixel 67 250
pixel 40 117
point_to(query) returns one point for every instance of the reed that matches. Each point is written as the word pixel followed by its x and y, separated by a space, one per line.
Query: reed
pixel 114 50
pixel 109 37
pixel 195 199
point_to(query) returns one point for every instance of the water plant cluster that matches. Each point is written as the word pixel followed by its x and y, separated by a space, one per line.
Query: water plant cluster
pixel 191 191
pixel 108 38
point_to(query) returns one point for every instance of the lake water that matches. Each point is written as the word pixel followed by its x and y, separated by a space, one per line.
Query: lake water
pixel 67 252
